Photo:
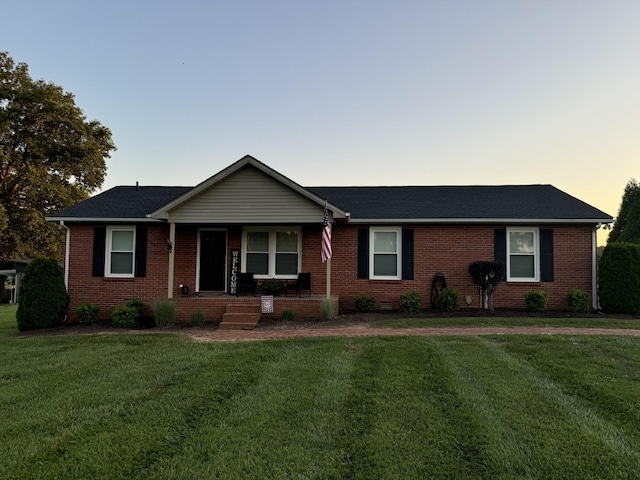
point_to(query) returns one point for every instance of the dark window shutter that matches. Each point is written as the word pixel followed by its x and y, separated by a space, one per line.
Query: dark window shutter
pixel 500 247
pixel 99 239
pixel 141 252
pixel 363 253
pixel 407 254
pixel 546 255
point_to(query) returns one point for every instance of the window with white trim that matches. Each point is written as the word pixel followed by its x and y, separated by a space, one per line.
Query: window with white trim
pixel 271 252
pixel 385 251
pixel 120 251
pixel 523 255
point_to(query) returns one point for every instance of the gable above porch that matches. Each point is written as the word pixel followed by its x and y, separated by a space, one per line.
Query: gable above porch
pixel 247 192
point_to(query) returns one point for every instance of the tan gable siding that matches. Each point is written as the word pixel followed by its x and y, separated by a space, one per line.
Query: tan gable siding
pixel 248 196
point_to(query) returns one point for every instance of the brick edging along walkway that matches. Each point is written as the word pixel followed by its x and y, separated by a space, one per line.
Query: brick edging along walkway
pixel 363 331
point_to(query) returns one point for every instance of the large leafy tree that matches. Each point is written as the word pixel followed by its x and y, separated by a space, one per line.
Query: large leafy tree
pixel 627 226
pixel 51 157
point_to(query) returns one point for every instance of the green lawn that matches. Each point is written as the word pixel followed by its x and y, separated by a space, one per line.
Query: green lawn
pixel 497 321
pixel 158 406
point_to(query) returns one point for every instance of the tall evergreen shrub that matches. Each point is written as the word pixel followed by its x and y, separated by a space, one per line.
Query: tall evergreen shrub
pixel 620 278
pixel 43 298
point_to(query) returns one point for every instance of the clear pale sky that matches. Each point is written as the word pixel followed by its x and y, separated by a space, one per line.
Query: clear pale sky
pixel 351 92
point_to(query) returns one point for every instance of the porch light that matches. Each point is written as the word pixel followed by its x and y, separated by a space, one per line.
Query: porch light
pixel 184 289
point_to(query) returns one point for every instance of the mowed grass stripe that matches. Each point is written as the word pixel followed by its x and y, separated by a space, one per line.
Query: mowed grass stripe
pixel 284 425
pixel 589 420
pixel 130 414
pixel 537 431
pixel 405 418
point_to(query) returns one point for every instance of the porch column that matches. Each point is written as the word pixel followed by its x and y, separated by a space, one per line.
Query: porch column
pixel 172 242
pixel 329 278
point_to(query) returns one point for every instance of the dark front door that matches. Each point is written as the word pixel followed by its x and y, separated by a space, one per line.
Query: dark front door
pixel 213 254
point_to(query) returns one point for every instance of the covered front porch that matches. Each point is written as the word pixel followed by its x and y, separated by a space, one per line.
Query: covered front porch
pixel 214 306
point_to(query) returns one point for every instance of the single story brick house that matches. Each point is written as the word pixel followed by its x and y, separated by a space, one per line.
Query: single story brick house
pixel 191 243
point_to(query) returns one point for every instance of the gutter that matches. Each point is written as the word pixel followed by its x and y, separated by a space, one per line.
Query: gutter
pixel 102 220
pixel 478 221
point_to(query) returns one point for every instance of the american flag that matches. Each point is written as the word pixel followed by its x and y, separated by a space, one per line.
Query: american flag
pixel 326 236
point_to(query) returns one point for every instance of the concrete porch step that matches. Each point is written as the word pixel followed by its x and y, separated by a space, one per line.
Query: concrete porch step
pixel 239 321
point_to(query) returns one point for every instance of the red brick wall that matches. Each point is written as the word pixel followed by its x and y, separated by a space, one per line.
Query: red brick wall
pixel 437 248
pixel 450 250
pixel 111 292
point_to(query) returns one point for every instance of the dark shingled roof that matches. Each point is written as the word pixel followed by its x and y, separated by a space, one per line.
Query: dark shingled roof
pixel 375 203
pixel 123 202
pixel 459 202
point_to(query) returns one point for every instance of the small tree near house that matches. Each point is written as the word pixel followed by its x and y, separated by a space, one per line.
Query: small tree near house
pixel 43 298
pixel 486 276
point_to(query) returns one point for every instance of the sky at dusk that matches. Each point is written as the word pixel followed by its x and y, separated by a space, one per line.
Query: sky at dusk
pixel 351 92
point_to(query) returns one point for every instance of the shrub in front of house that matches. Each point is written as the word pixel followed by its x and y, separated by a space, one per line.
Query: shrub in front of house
pixel 410 301
pixel 87 313
pixel 448 299
pixel 619 278
pixel 287 315
pixel 43 298
pixel 536 300
pixel 138 305
pixel 364 303
pixel 578 301
pixel 125 316
pixel 164 312
pixel 197 319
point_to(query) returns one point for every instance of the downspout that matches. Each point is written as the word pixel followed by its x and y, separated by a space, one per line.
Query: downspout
pixel 66 254
pixel 172 249
pixel 594 269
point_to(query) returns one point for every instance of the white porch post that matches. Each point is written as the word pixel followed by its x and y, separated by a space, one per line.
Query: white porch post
pixel 172 242
pixel 329 278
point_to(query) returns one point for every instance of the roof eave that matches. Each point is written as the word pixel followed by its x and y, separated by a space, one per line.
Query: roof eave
pixel 522 221
pixel 102 220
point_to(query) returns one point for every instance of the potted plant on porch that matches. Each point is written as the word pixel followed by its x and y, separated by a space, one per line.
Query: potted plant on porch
pixel 271 286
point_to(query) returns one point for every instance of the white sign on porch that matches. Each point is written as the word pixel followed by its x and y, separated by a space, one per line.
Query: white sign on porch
pixel 267 303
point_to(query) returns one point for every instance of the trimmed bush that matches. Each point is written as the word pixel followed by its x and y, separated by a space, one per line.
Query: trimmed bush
pixel 448 300
pixel 43 298
pixel 138 305
pixel 536 300
pixel 486 276
pixel 619 278
pixel 87 313
pixel 365 304
pixel 197 318
pixel 288 315
pixel 410 301
pixel 125 316
pixel 578 301
pixel 164 312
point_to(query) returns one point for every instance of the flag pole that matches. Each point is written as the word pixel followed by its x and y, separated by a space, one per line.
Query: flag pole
pixel 326 250
pixel 329 278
